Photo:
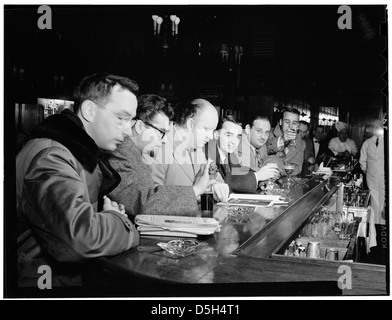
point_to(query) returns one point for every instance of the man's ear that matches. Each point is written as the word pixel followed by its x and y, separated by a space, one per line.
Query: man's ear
pixel 281 122
pixel 190 124
pixel 88 110
pixel 138 127
pixel 247 129
pixel 216 134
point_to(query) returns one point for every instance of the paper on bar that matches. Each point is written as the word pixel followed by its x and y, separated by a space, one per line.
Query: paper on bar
pixel 175 221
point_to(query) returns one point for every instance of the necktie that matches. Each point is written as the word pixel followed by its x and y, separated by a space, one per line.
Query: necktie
pixel 377 142
pixel 258 158
pixel 316 141
pixel 191 156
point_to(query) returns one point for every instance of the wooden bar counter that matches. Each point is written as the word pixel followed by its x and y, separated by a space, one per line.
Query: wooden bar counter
pixel 241 259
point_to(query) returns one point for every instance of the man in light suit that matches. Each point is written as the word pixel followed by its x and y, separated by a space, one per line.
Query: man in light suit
pixel 223 150
pixel 136 190
pixel 371 160
pixel 179 160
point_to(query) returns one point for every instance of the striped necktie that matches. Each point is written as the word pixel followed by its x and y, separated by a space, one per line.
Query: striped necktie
pixel 259 161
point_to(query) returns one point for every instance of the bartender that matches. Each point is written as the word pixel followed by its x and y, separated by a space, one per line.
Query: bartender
pixel 342 145
pixel 372 163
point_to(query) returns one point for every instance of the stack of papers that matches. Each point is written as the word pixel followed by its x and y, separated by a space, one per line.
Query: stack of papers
pixel 254 200
pixel 175 226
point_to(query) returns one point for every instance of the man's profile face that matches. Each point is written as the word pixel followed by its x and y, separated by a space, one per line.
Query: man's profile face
pixel 204 124
pixel 259 133
pixel 108 128
pixel 229 136
pixel 152 135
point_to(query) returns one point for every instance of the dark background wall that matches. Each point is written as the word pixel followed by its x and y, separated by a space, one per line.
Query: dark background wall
pixel 290 52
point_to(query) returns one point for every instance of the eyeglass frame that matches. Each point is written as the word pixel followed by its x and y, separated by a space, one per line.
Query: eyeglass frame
pixel 125 121
pixel 156 128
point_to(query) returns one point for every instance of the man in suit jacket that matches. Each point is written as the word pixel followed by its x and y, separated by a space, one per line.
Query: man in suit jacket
pixel 319 144
pixel 137 191
pixel 284 143
pixel 309 164
pixel 179 160
pixel 223 150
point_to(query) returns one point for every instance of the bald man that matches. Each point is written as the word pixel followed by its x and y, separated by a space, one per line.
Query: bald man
pixel 180 159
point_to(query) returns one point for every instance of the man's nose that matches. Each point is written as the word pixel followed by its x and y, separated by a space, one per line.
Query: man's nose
pixel 127 132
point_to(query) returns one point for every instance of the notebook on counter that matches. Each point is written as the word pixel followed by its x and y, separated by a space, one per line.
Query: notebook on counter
pixel 175 226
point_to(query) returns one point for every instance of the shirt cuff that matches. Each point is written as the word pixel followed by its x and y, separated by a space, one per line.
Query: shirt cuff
pixel 257 181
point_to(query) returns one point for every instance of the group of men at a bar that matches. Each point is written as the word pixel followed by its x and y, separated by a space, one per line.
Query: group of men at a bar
pixel 85 174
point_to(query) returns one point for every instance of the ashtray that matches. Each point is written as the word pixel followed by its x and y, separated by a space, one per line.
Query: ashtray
pixel 182 248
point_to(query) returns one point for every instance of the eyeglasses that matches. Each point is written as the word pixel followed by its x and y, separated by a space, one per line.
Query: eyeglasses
pixel 163 132
pixel 124 120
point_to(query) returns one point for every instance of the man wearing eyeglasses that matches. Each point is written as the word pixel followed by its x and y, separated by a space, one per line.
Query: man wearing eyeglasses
pixel 136 190
pixel 182 159
pixel 64 215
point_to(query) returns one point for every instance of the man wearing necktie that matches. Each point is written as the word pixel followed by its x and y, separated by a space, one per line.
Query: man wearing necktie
pixel 309 158
pixel 223 150
pixel 182 158
pixel 371 161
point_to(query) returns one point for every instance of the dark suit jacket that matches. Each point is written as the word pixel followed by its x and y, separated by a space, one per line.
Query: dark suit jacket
pixel 239 179
pixel 322 149
pixel 137 191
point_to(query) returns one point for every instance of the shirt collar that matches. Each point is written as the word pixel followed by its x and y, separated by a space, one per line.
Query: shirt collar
pixel 222 155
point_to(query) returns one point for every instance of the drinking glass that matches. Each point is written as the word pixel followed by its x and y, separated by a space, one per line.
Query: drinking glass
pixel 289 168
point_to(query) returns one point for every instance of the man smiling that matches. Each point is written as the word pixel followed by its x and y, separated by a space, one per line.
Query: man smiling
pixel 223 149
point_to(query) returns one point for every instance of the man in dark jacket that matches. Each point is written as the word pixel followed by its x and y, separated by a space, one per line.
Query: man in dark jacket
pixel 64 216
pixel 224 152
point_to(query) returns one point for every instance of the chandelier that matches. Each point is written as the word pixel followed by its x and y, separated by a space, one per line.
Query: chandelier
pixel 166 29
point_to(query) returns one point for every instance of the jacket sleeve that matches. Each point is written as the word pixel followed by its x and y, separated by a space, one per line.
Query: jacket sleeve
pixel 63 215
pixel 363 156
pixel 272 144
pixel 138 194
pixel 242 182
pixel 298 158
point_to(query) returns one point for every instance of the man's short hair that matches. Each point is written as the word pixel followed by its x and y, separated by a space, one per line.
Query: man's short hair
pixel 98 87
pixel 305 123
pixel 228 118
pixel 258 117
pixel 291 110
pixel 149 105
